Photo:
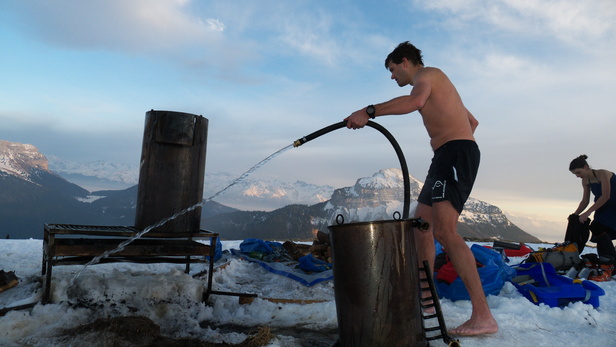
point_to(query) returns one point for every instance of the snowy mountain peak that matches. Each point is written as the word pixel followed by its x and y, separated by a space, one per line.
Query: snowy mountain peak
pixel 21 159
pixel 387 179
pixel 384 186
pixel 126 174
pixel 264 194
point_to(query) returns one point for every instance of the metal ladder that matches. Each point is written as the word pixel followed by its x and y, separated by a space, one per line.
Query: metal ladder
pixel 431 301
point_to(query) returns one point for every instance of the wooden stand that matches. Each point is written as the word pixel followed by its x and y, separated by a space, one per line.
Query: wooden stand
pixel 66 244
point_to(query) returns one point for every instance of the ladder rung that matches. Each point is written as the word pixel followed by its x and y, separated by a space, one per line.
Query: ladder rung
pixel 432 329
pixel 435 304
pixel 434 315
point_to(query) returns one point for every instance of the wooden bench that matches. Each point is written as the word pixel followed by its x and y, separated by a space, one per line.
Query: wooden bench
pixel 68 244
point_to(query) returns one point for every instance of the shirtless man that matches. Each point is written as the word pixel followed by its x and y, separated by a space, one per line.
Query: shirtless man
pixel 452 172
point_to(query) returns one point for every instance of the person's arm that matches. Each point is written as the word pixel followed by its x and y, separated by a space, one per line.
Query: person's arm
pixel 397 106
pixel 604 177
pixel 585 199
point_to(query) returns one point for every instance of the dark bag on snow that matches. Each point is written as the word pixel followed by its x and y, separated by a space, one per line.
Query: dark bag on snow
pixel 577 232
pixel 562 256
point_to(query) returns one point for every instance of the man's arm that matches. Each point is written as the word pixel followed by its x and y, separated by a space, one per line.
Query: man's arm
pixel 396 106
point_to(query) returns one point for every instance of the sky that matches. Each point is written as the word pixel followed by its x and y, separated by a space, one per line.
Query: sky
pixel 79 76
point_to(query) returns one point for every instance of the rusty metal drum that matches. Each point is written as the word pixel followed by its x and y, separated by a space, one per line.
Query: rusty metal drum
pixel 172 170
pixel 376 284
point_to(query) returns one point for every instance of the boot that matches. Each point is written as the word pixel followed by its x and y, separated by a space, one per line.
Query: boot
pixel 605 247
pixel 600 275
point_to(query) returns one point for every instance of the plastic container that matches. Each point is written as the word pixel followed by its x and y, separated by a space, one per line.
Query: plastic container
pixel 540 283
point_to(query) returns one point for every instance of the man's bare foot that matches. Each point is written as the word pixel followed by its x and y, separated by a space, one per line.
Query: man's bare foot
pixel 429 308
pixel 427 302
pixel 472 328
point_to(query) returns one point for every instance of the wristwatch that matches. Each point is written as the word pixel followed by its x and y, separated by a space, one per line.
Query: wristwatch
pixel 370 110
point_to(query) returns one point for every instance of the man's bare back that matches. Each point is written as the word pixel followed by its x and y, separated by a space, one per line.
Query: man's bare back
pixel 443 113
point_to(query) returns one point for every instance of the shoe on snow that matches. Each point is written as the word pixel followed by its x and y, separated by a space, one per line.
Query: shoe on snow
pixel 8 280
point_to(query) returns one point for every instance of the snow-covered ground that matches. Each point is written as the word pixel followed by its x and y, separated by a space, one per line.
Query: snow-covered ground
pixel 171 299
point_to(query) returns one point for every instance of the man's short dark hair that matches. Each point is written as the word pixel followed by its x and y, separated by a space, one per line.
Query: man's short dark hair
pixel 404 50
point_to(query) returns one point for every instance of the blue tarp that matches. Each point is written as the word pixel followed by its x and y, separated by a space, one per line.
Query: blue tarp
pixel 272 257
pixel 493 274
pixel 312 264
pixel 257 245
pixel 217 250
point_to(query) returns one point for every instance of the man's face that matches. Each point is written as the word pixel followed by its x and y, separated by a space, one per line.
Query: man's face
pixel 399 73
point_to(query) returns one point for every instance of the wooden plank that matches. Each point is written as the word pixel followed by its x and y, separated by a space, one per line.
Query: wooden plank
pixel 117 231
pixel 129 259
pixel 95 247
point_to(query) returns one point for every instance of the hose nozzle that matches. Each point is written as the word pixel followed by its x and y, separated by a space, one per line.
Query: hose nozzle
pixel 299 142
pixel 318 133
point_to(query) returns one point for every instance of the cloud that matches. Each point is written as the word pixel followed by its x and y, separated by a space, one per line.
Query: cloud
pixel 311 36
pixel 121 145
pixel 134 26
pixel 215 24
pixel 241 42
pixel 201 39
pixel 570 21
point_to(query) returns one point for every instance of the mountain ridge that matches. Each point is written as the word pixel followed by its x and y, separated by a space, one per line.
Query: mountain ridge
pixel 305 209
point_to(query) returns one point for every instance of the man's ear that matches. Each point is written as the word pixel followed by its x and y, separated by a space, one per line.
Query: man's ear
pixel 405 62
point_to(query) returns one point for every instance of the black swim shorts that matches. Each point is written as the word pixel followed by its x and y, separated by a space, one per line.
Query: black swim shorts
pixel 452 174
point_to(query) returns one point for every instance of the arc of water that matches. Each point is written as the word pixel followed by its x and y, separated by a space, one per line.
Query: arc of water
pixel 128 241
pixel 249 172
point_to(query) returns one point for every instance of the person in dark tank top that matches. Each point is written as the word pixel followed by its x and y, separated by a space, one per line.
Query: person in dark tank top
pixel 602 184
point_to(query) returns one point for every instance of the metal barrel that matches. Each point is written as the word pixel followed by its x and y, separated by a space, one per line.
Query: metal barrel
pixel 172 171
pixel 376 284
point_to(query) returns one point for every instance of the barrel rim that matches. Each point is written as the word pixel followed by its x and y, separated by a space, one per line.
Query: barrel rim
pixel 378 222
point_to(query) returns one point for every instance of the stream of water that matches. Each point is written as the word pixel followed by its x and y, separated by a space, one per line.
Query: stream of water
pixel 125 243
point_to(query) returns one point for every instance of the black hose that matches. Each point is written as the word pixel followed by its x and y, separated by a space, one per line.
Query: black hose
pixel 394 143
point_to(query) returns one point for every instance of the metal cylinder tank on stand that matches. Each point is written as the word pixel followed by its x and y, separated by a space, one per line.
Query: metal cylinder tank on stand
pixel 376 284
pixel 172 171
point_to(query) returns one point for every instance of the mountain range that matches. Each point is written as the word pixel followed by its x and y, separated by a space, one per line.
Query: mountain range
pixel 35 190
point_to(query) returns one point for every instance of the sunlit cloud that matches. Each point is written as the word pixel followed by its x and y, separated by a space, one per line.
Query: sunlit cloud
pixel 117 25
pixel 215 24
pixel 571 21
pixel 311 36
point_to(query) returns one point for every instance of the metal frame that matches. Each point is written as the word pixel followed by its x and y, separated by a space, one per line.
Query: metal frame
pixel 68 244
